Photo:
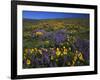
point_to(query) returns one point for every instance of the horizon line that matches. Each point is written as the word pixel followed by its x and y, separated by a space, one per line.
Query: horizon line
pixel 55 18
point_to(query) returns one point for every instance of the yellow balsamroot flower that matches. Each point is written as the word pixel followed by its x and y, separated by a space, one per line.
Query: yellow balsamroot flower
pixel 58 52
pixel 61 54
pixel 75 57
pixel 69 48
pixel 52 57
pixel 35 49
pixel 26 50
pixel 64 47
pixel 28 62
pixel 40 51
pixel 39 33
pixel 73 63
pixel 31 51
pixel 65 50
pixel 24 56
pixel 80 56
pixel 76 51
pixel 47 42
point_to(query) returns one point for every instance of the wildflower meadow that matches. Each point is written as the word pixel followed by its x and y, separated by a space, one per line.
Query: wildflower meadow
pixel 55 42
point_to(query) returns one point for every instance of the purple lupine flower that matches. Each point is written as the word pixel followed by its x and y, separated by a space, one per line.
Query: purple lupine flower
pixel 60 36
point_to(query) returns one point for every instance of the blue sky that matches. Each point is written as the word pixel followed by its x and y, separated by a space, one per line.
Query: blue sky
pixel 51 15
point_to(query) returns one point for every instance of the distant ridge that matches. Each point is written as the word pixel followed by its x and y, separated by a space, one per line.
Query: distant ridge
pixel 30 20
pixel 79 21
pixel 53 19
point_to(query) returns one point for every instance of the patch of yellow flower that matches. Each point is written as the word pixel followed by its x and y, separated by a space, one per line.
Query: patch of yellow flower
pixel 69 48
pixel 35 49
pixel 31 50
pixel 78 55
pixel 40 51
pixel 52 57
pixel 75 58
pixel 26 50
pixel 64 51
pixel 39 33
pixel 47 42
pixel 28 62
pixel 61 53
pixel 58 52
pixel 24 56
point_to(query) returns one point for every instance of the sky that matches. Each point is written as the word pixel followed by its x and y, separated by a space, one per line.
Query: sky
pixel 51 15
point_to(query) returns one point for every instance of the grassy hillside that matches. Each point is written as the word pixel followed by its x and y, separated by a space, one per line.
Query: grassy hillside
pixel 73 27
